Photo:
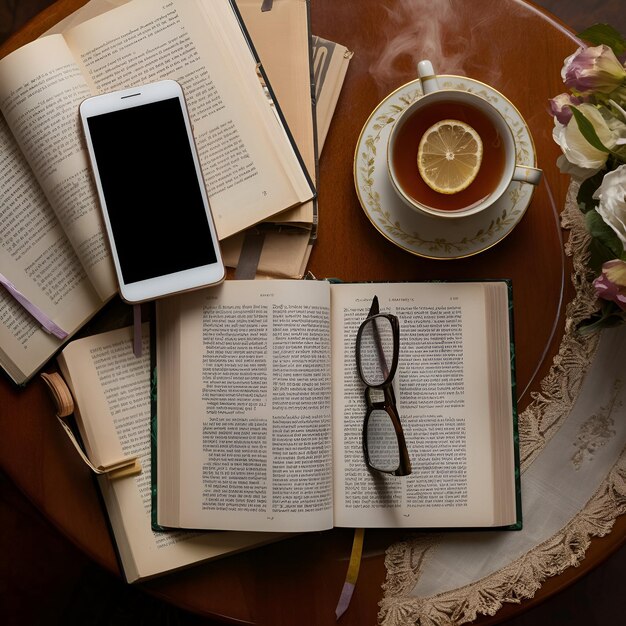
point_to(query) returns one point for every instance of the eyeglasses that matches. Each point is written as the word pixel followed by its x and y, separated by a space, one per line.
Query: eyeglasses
pixel 377 349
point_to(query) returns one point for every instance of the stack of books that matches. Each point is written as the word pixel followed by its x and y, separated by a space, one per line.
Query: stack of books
pixel 257 416
pixel 53 253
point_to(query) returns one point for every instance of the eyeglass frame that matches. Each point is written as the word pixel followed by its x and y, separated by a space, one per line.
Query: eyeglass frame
pixel 389 403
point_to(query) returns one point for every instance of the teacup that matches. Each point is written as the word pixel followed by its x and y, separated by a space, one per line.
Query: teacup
pixel 497 170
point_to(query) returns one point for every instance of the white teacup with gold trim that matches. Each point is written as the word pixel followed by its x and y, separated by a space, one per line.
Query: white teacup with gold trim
pixel 451 153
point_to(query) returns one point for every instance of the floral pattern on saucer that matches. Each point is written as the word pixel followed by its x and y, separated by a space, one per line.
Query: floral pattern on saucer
pixel 423 235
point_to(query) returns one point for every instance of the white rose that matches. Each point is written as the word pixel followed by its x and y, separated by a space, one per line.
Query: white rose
pixel 577 150
pixel 612 196
pixel 569 169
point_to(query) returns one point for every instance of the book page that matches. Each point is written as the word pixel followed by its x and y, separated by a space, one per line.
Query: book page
pixel 111 388
pixel 282 40
pixel 248 363
pixel 442 394
pixel 40 90
pixel 251 170
pixel 330 63
pixel 35 255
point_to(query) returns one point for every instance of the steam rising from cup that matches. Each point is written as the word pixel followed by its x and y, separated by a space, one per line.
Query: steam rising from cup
pixel 427 29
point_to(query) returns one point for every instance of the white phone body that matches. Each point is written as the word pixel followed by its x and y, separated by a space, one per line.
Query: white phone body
pixel 151 191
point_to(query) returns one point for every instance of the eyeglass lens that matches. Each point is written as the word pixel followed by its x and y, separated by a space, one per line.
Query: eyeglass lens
pixel 382 442
pixel 376 350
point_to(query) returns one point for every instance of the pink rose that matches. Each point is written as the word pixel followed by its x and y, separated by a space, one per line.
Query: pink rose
pixel 593 69
pixel 611 284
pixel 560 107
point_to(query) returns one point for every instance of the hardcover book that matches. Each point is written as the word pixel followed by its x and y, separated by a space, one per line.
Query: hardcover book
pixel 260 410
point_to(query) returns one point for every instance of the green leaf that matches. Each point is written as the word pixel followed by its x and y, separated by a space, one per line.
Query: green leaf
pixel 599 229
pixel 605 244
pixel 609 315
pixel 604 34
pixel 598 255
pixel 588 131
pixel 587 188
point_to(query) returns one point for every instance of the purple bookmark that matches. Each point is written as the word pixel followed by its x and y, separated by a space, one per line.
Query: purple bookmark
pixel 352 573
pixel 46 323
pixel 137 339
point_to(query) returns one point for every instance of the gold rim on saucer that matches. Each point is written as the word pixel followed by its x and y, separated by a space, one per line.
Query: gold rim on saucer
pixel 423 235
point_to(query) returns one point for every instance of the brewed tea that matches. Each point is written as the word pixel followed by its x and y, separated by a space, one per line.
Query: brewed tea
pixel 404 156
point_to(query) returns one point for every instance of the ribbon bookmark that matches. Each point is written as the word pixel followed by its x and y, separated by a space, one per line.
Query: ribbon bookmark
pixel 46 323
pixel 137 338
pixel 352 574
pixel 250 254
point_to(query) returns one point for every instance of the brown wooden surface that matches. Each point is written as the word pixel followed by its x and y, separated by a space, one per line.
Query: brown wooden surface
pixel 509 44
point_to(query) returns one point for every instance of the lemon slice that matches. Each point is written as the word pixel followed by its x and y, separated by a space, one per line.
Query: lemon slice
pixel 449 156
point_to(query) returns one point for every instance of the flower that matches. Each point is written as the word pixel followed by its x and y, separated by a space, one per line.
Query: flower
pixel 612 201
pixel 611 284
pixel 590 128
pixel 577 150
pixel 560 106
pixel 593 69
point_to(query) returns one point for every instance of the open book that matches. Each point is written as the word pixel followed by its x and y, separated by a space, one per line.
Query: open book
pixel 52 248
pixel 111 389
pixel 260 409
pixel 281 245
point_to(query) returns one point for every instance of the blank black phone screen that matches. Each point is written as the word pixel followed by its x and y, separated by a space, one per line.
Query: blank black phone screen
pixel 152 192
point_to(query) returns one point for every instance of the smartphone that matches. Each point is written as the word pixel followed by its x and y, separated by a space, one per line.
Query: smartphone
pixel 153 198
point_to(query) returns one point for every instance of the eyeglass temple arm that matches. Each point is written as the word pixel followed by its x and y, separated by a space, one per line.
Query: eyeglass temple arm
pixel 381 353
pixel 375 310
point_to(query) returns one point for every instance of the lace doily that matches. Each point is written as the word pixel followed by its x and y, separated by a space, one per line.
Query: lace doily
pixel 409 563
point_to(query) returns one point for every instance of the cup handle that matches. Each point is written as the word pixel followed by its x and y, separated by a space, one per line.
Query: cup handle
pixel 426 74
pixel 526 174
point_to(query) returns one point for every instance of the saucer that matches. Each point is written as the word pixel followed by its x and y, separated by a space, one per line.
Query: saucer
pixel 424 235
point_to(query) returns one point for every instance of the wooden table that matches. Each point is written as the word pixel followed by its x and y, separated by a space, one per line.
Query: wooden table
pixel 510 44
